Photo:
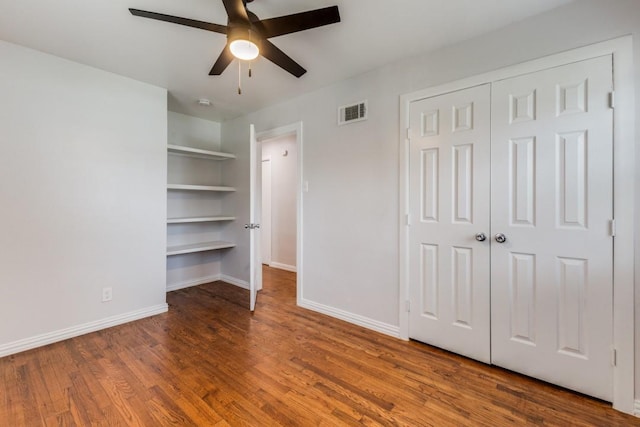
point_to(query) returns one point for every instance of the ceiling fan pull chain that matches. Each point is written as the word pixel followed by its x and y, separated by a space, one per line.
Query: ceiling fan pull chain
pixel 239 78
pixel 249 69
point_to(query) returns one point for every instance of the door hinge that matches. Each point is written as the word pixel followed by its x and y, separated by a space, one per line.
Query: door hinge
pixel 612 99
pixel 407 305
pixel 408 219
pixel 612 227
pixel 614 357
pixel 408 133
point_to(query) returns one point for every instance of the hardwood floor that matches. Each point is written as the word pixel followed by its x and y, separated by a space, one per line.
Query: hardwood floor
pixel 209 362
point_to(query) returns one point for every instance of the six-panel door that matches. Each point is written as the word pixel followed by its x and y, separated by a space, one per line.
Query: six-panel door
pixel 551 196
pixel 449 181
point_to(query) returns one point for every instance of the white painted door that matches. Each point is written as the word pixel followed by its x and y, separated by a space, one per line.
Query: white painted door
pixel 449 183
pixel 551 196
pixel 255 262
pixel 265 224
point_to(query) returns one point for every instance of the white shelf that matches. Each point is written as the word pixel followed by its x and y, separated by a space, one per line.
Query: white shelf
pixel 198 247
pixel 187 220
pixel 199 187
pixel 198 153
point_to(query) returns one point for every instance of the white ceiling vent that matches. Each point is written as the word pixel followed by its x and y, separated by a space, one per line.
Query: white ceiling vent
pixel 352 113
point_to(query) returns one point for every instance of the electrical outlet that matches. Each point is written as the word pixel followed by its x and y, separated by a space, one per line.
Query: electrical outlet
pixel 107 294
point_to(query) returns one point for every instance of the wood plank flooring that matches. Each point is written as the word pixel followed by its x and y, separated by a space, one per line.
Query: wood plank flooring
pixel 209 362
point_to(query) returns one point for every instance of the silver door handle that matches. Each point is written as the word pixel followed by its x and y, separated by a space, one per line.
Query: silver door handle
pixel 500 238
pixel 481 237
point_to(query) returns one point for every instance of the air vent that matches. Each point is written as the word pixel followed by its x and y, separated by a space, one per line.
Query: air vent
pixel 352 113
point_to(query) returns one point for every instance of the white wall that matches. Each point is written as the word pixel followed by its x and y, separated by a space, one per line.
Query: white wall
pixel 201 267
pixel 82 198
pixel 193 132
pixel 283 199
pixel 350 217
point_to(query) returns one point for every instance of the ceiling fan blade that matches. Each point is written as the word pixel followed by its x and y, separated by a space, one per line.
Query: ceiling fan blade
pixel 274 27
pixel 216 28
pixel 281 59
pixel 222 62
pixel 236 11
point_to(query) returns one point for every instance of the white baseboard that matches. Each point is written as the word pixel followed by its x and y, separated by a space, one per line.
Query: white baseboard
pixel 233 281
pixel 74 331
pixel 636 408
pixel 365 322
pixel 281 266
pixel 189 283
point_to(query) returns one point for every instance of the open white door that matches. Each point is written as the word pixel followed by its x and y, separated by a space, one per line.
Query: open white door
pixel 255 190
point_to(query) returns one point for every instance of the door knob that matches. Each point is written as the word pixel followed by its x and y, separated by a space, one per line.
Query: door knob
pixel 500 238
pixel 481 237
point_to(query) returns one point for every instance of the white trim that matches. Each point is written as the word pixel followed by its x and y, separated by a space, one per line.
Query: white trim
pixel 190 283
pixel 636 408
pixel 74 331
pixel 262 211
pixel 280 266
pixel 234 281
pixel 294 129
pixel 365 322
pixel 624 194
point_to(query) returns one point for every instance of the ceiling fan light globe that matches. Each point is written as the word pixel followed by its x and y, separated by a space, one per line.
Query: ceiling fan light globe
pixel 244 49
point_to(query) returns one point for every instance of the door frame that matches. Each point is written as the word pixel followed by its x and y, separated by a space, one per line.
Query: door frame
pixel 292 129
pixel 624 193
pixel 264 226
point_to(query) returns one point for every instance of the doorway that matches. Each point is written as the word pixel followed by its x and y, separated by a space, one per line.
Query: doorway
pixel 278 225
pixel 512 194
pixel 568 146
pixel 278 197
pixel 265 209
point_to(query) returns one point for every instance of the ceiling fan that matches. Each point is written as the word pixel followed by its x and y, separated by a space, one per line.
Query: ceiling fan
pixel 247 35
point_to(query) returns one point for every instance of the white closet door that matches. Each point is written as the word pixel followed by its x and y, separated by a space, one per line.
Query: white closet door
pixel 449 183
pixel 551 193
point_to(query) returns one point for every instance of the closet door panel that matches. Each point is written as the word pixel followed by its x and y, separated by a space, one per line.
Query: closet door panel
pixel 551 197
pixel 449 180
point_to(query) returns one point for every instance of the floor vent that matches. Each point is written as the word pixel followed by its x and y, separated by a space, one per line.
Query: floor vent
pixel 352 113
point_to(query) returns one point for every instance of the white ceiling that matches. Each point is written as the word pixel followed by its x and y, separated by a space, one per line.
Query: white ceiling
pixel 372 33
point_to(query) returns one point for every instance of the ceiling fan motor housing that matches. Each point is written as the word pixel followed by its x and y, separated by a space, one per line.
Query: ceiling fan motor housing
pixel 236 32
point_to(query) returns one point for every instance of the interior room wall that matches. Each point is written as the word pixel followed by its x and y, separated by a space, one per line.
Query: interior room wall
pixel 193 132
pixel 82 198
pixel 283 199
pixel 201 267
pixel 350 213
